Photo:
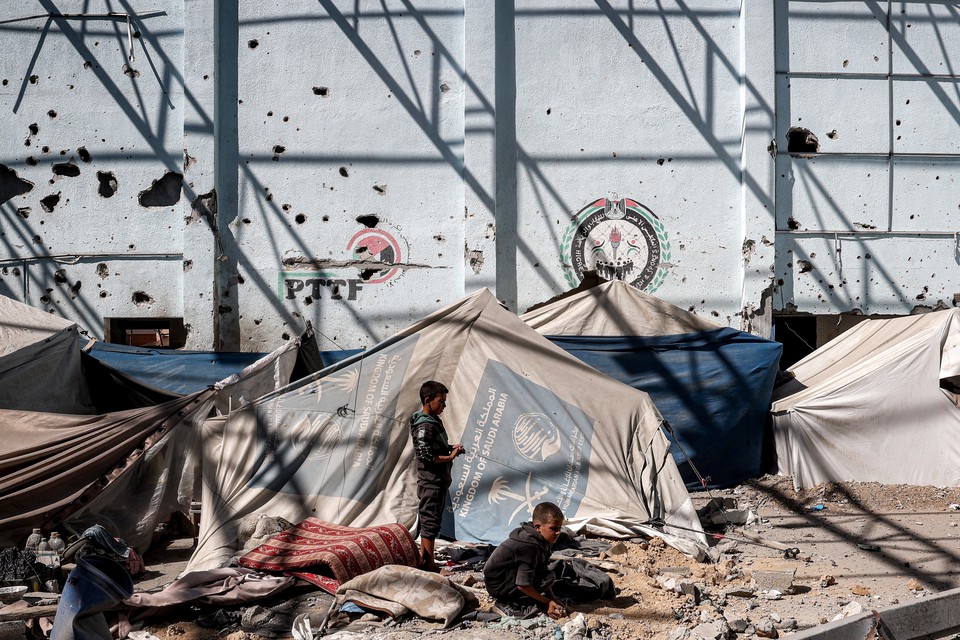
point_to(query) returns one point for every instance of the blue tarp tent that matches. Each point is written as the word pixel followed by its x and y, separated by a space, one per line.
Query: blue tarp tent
pixel 712 384
pixel 184 372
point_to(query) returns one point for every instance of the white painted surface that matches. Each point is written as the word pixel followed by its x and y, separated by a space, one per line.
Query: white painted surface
pixel 471 133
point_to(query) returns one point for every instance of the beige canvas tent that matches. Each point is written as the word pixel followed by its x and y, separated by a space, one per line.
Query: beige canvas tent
pixel 878 403
pixel 537 424
pixel 40 361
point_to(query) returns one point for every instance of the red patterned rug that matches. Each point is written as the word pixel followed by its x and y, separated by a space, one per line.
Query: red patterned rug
pixel 328 554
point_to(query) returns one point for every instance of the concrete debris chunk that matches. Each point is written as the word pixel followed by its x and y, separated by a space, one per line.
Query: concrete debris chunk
pixel 774 579
pixel 738 625
pixel 713 630
pixel 852 609
pixel 827 580
pixel 914 585
pixel 772 594
pixel 860 590
pixel 765 629
pixel 680 633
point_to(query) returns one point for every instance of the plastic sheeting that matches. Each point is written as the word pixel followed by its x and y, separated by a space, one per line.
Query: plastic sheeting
pixel 712 384
pixel 40 361
pixel 538 425
pixel 878 403
pixel 183 372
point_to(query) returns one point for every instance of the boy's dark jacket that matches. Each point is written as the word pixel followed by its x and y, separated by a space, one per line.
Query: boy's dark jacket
pixel 520 560
pixel 429 440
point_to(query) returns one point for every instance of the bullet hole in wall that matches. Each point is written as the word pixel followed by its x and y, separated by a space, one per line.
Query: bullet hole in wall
pixel 300 219
pixel 804 266
pixel 660 161
pixel 45 149
pixel 325 218
pixel 164 192
pixel 31 161
pixel 444 87
pixel 321 91
pixel 60 276
pixel 370 220
pixel 277 150
pixel 24 212
pixel 793 224
pixel 84 154
pixel 49 203
pixel 52 113
pixel 141 298
pixel 12 185
pixel 34 129
pixel 33 79
pixel 833 135
pixel 380 188
pixel 130 71
pixel 344 172
pixel 802 140
pixel 103 270
pixel 253 44
pixel 66 169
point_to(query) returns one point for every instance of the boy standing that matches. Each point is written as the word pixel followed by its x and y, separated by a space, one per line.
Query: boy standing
pixel 516 573
pixel 434 460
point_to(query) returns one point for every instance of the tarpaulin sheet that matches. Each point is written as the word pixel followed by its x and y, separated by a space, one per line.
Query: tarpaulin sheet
pixel 184 372
pixel 712 384
pixel 538 425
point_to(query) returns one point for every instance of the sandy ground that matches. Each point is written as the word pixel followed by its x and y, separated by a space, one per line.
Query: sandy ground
pixel 862 543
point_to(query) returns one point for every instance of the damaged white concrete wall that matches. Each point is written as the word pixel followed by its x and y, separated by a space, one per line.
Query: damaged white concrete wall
pixel 258 165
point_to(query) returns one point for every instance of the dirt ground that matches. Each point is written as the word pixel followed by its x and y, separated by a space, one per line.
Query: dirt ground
pixel 860 545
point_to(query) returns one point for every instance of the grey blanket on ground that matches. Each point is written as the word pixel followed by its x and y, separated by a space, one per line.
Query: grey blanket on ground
pixel 230 585
pixel 397 590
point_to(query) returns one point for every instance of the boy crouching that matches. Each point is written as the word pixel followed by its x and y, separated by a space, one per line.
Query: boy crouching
pixel 516 574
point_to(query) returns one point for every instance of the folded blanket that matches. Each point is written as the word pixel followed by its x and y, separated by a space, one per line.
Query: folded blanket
pixel 328 554
pixel 397 590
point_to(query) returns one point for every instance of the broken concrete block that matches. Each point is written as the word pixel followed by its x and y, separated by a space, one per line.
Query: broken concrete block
pixel 852 609
pixel 683 572
pixel 860 590
pixel 713 630
pixel 827 580
pixel 738 625
pixel 771 579
pixel 765 629
pixel 617 549
pixel 680 633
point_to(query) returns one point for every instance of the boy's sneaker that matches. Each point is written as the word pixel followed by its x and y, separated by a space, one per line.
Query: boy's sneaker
pixel 514 610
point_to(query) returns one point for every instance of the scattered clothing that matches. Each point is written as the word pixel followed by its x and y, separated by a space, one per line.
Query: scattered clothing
pixel 579 581
pixel 229 585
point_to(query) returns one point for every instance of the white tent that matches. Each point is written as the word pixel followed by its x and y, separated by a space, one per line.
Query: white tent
pixel 878 403
pixel 538 425
pixel 40 362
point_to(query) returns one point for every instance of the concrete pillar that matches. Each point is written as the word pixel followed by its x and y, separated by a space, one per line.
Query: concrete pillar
pixel 758 171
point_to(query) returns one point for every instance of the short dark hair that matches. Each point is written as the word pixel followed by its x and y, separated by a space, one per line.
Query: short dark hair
pixel 430 389
pixel 547 513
